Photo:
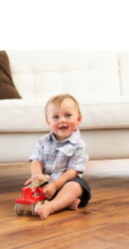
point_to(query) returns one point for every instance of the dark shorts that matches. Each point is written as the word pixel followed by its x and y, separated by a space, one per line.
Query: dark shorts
pixel 86 194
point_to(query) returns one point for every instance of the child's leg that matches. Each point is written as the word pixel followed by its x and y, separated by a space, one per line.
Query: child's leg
pixel 66 197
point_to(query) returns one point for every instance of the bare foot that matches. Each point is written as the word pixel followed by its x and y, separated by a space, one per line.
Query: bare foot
pixel 43 210
pixel 48 208
pixel 74 204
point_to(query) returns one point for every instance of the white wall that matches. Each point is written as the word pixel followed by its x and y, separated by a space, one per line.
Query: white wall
pixel 64 24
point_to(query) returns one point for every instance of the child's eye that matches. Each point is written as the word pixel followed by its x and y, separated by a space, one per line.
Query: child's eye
pixel 68 115
pixel 56 117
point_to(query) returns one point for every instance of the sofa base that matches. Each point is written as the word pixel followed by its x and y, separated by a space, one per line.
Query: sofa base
pixel 102 144
pixel 107 144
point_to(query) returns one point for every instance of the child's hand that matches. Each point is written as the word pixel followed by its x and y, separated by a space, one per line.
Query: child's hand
pixel 49 190
pixel 36 177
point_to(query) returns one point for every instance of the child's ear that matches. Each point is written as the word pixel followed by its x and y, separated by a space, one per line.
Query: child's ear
pixel 79 120
pixel 47 122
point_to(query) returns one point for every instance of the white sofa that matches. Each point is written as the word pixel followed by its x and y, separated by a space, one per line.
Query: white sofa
pixel 98 80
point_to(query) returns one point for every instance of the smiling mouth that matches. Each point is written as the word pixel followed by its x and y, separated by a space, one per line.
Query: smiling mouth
pixel 63 128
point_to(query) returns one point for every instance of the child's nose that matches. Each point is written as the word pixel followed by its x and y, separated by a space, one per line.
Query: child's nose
pixel 62 119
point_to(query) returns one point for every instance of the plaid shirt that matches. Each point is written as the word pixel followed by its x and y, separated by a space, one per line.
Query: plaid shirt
pixel 57 157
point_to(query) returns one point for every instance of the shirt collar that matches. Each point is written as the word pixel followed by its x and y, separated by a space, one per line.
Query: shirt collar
pixel 73 138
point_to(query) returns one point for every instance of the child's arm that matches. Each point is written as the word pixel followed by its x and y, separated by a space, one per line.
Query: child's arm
pixel 36 172
pixel 67 175
pixel 51 188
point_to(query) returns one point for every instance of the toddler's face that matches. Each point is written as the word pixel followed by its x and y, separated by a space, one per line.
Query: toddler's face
pixel 63 119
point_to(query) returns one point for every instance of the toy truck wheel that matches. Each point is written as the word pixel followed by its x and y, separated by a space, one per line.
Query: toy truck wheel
pixel 17 209
pixel 34 206
pixel 33 210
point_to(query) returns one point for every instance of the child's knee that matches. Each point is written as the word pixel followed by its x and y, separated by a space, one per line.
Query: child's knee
pixel 75 187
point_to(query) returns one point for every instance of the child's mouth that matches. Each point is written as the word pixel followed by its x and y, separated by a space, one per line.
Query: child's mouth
pixel 63 128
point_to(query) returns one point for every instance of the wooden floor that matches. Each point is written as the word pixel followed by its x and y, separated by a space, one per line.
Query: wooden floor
pixel 103 224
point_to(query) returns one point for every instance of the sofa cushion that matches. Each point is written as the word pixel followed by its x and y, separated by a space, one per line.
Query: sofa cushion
pixel 7 87
pixel 41 74
pixel 97 113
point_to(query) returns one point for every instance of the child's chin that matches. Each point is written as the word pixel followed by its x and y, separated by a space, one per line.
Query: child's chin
pixel 64 133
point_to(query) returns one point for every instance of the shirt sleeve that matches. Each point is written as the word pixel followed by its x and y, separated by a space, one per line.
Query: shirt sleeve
pixel 79 160
pixel 38 152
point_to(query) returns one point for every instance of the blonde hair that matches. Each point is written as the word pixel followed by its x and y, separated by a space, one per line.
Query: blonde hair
pixel 58 99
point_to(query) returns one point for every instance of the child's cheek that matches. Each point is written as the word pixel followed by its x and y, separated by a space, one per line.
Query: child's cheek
pixel 72 123
pixel 55 125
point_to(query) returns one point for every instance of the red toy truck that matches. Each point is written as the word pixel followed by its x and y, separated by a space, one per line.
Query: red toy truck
pixel 32 195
